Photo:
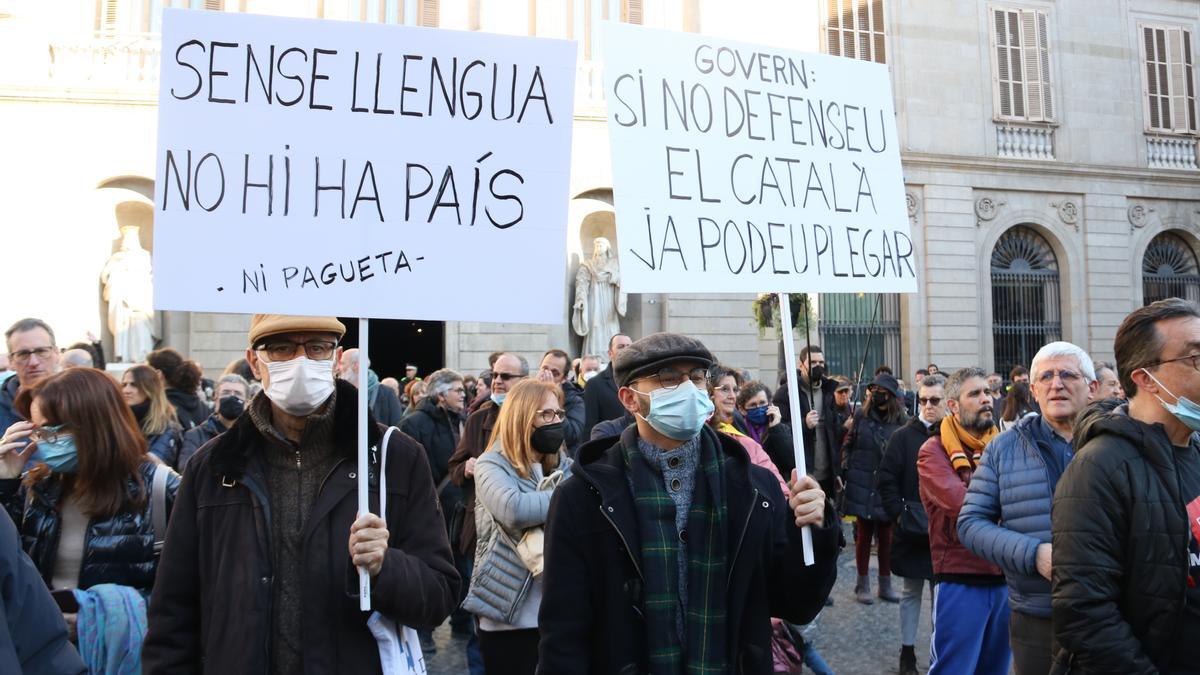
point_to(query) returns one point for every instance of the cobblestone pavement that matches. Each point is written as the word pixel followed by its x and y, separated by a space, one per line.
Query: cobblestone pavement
pixel 853 639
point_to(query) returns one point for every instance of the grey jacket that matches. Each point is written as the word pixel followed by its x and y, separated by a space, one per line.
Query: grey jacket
pixel 505 499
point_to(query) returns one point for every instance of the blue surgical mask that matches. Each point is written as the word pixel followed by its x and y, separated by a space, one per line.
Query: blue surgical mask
pixel 678 413
pixel 1183 409
pixel 757 416
pixel 58 453
pixel 498 399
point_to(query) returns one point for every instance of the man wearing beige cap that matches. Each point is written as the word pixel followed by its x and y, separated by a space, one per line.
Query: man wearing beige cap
pixel 258 574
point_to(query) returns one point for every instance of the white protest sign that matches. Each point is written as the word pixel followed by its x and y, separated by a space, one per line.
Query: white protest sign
pixel 742 168
pixel 324 167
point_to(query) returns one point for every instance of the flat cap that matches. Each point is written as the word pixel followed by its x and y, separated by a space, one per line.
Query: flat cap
pixel 648 355
pixel 263 325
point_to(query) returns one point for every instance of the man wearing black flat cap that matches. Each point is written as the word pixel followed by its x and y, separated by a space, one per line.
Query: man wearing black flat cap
pixel 669 551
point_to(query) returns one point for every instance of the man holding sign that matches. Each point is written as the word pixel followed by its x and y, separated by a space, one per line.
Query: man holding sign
pixel 259 574
pixel 670 550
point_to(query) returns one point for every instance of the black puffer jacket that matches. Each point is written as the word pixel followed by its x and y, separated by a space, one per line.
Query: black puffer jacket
pixel 900 492
pixel 861 452
pixel 1120 537
pixel 116 550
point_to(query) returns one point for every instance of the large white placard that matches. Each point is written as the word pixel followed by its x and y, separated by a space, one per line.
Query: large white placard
pixel 743 168
pixel 324 167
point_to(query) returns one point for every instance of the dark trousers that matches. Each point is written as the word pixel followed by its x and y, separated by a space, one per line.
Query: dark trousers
pixel 1031 638
pixel 509 652
pixel 864 530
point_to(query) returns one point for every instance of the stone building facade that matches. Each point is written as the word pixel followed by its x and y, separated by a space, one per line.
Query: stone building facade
pixel 1049 151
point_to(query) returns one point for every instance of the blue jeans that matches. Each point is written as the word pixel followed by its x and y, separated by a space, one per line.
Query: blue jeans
pixel 970 630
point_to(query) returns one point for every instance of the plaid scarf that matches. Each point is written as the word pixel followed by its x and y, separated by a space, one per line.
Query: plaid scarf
pixel 703 649
pixel 963 448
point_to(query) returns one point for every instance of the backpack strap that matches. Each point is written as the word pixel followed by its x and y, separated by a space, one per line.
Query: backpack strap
pixel 158 505
pixel 387 436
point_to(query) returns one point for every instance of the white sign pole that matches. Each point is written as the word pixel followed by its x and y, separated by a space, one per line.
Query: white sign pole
pixel 789 364
pixel 364 579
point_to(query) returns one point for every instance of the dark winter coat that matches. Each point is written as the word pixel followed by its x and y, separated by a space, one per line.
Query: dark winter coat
pixel 211 610
pixel 189 409
pixel 829 427
pixel 592 620
pixel 862 450
pixel 168 446
pixel 473 442
pixel 1120 538
pixel 33 634
pixel 116 550
pixel 437 430
pixel 1006 514
pixel 386 408
pixel 196 437
pixel 576 419
pixel 600 401
pixel 8 393
pixel 942 493
pixel 900 492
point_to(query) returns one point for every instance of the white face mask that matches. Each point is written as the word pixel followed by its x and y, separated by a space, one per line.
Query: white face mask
pixel 300 385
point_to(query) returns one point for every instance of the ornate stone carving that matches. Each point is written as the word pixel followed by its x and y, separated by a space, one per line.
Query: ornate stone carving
pixel 986 209
pixel 1068 212
pixel 911 201
pixel 1138 214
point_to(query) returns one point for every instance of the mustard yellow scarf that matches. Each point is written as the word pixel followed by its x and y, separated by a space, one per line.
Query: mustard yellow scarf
pixel 963 448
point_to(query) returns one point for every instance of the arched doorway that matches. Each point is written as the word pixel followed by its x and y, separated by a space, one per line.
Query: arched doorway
pixel 1170 269
pixel 1026 304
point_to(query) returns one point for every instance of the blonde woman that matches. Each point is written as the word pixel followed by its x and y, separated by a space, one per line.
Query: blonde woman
pixel 146 394
pixel 514 479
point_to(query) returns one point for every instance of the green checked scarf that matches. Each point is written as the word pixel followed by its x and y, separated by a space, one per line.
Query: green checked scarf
pixel 703 649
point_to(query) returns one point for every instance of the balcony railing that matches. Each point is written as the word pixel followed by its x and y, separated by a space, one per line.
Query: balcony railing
pixel 1021 141
pixel 106 62
pixel 1171 152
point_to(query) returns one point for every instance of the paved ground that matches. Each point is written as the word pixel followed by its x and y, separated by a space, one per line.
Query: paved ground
pixel 853 639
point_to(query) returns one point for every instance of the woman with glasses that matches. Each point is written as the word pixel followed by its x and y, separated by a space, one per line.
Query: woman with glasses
pixel 724 384
pixel 862 451
pixel 85 508
pixel 143 389
pixel 514 479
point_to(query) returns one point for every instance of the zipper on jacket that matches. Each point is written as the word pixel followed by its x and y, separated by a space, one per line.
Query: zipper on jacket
pixel 629 551
pixel 742 537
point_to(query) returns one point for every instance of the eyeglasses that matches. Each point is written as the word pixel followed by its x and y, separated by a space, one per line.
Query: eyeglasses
pixel 1195 359
pixel 669 378
pixel 506 376
pixel 1067 376
pixel 551 415
pixel 933 400
pixel 285 350
pixel 22 357
pixel 728 389
pixel 48 433
pixel 457 390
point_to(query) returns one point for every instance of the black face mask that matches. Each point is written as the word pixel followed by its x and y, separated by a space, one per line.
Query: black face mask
pixel 548 439
pixel 231 407
pixel 816 373
pixel 882 402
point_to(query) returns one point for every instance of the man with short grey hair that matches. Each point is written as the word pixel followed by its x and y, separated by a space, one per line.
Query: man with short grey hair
pixel 34 355
pixel 77 358
pixel 1006 515
pixel 1109 383
pixel 384 405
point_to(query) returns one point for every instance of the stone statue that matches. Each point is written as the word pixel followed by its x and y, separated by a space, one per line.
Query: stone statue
pixel 599 302
pixel 128 289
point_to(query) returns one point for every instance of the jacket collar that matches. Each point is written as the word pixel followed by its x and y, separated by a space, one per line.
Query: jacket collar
pixel 232 449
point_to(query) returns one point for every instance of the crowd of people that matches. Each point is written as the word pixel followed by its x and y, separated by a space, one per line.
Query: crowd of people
pixel 633 512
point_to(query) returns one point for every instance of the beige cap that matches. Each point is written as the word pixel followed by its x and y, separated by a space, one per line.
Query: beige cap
pixel 263 325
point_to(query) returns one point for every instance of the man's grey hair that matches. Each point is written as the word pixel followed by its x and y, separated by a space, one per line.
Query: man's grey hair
pixel 1063 349
pixel 232 378
pixel 1105 365
pixel 78 358
pixel 954 385
pixel 26 325
pixel 932 381
pixel 520 359
pixel 440 381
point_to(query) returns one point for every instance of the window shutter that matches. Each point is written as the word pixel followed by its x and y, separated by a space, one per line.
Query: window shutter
pixel 1149 57
pixel 214 5
pixel 427 13
pixel 633 12
pixel 877 14
pixel 1029 54
pixel 833 38
pixel 1043 52
pixel 1003 77
pixel 1178 69
pixel 1190 77
pixel 106 16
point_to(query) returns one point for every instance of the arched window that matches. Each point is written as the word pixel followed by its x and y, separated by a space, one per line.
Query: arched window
pixel 1170 270
pixel 1026 309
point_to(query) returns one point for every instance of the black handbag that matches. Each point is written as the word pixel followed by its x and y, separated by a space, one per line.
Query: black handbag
pixel 913 519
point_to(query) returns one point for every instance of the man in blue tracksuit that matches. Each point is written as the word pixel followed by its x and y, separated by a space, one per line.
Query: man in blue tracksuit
pixel 1005 518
